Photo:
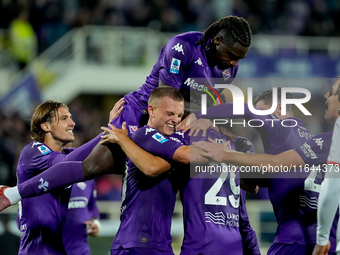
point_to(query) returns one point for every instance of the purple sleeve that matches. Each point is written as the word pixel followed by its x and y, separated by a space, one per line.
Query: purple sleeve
pixel 176 56
pixel 249 239
pixel 156 143
pixel 78 154
pixel 35 158
pixel 315 150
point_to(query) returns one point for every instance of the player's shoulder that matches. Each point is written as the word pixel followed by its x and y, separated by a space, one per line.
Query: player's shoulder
pixel 185 40
pixel 144 131
pixel 35 149
pixel 324 137
pixel 316 146
pixel 192 36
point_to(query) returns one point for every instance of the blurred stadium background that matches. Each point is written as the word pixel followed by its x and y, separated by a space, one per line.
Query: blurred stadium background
pixel 90 53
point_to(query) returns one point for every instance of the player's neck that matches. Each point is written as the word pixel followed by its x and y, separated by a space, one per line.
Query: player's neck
pixel 53 144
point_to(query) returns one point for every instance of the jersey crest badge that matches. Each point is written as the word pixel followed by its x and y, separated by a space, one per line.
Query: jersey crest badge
pixel 226 75
pixel 159 138
pixel 175 64
pixel 133 128
pixel 43 184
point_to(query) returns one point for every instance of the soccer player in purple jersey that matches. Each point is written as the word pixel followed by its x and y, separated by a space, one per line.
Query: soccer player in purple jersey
pixel 329 194
pixel 214 213
pixel 188 61
pixel 82 219
pixel 42 218
pixel 293 194
pixel 142 234
pixel 148 203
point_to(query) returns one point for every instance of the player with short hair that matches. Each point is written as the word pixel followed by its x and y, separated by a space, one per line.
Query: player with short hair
pixel 150 186
pixel 146 195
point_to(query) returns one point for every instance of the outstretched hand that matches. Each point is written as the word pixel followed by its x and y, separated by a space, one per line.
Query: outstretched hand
pixel 213 150
pixel 4 201
pixel 113 134
pixel 117 109
pixel 92 229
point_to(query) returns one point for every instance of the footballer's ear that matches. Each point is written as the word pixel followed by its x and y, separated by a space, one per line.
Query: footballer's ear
pixel 151 109
pixel 218 39
pixel 45 126
pixel 278 110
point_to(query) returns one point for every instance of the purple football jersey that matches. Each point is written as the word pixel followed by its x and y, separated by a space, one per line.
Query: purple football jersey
pixel 41 218
pixel 182 64
pixel 81 207
pixel 211 210
pixel 148 202
pixel 295 199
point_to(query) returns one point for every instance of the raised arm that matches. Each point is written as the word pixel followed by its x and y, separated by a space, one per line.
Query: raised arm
pixel 149 164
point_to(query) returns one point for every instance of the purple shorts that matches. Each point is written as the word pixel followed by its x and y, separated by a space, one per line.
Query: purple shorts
pixel 139 251
pixel 291 249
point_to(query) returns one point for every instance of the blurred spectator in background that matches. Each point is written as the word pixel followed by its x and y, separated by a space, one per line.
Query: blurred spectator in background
pixel 8 10
pixel 51 19
pixel 320 22
pixel 49 22
pixel 9 242
pixel 22 39
pixel 14 134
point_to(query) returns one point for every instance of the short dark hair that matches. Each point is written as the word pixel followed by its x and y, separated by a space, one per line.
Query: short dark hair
pixel 267 97
pixel 165 91
pixel 233 29
pixel 45 112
